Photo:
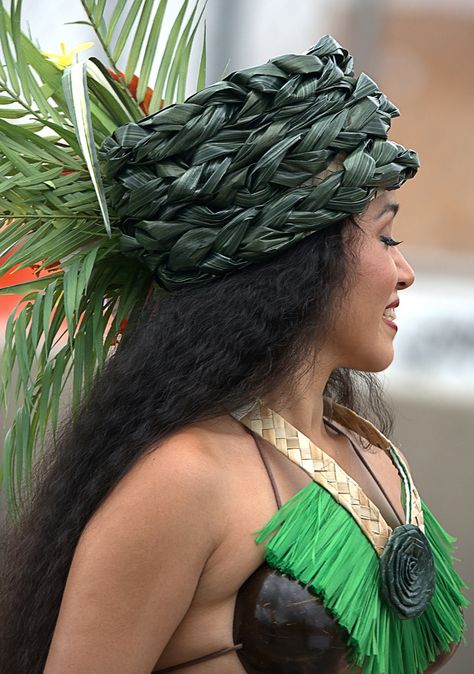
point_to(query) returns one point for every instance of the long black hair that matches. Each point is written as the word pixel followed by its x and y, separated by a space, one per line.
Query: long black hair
pixel 196 354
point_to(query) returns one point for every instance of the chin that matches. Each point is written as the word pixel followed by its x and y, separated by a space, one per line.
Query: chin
pixel 375 361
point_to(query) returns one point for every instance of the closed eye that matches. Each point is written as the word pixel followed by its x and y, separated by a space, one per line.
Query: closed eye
pixel 389 241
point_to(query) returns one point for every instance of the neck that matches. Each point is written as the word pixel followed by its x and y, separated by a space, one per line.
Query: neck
pixel 305 408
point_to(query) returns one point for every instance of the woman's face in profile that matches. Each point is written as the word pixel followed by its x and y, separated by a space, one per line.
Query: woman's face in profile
pixel 364 328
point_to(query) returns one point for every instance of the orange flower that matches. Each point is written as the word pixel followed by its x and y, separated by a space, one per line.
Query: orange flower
pixel 133 86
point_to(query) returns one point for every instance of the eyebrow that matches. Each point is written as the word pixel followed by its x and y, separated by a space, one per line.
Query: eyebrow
pixel 389 208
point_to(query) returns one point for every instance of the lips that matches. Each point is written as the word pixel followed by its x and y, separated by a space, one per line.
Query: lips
pixel 389 315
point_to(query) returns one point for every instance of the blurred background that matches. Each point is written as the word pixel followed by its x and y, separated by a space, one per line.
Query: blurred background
pixel 421 56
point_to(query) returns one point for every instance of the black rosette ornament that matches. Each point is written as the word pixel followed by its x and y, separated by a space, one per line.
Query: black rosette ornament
pixel 407 571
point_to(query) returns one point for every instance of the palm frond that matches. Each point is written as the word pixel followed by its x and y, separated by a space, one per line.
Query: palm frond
pixel 9 73
pixel 77 95
pixel 164 71
pixel 31 81
pixel 201 82
pixel 179 58
pixel 138 27
pixel 71 316
pixel 149 53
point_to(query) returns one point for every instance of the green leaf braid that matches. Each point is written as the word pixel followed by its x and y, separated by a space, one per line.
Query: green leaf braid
pixel 252 164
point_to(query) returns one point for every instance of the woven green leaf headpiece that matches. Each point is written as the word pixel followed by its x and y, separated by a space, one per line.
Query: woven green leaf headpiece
pixel 252 164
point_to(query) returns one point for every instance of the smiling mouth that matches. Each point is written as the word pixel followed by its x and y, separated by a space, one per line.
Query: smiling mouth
pixel 389 317
pixel 389 314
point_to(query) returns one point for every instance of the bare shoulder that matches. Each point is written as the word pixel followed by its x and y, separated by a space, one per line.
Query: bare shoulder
pixel 127 590
pixel 178 476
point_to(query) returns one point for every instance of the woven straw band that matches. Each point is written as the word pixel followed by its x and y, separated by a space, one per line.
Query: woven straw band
pixel 224 180
pixel 327 473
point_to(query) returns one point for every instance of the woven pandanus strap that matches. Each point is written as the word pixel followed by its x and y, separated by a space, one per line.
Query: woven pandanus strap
pixel 326 472
pixel 367 430
pixel 250 165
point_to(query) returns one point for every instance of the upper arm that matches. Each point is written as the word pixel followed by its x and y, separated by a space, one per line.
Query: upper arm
pixel 137 565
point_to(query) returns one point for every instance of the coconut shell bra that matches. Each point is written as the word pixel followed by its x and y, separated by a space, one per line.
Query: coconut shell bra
pixel 326 600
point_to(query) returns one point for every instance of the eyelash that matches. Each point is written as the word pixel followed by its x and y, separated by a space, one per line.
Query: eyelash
pixel 388 241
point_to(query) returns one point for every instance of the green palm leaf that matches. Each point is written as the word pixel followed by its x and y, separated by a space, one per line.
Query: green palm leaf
pixel 180 55
pixel 131 16
pixel 25 65
pixel 52 209
pixel 139 26
pixel 149 52
pixel 77 95
pixel 9 73
pixel 166 64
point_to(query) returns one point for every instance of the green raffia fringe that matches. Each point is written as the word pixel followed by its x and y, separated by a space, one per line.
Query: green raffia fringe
pixel 316 541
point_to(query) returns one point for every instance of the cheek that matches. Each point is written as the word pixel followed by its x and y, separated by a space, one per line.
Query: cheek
pixel 378 276
pixel 373 288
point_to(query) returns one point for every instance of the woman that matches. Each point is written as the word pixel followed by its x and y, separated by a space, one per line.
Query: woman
pixel 269 217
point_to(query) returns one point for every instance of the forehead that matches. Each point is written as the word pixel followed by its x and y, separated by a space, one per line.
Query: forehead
pixel 380 209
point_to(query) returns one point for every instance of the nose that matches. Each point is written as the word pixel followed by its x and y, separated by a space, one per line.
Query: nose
pixel 406 275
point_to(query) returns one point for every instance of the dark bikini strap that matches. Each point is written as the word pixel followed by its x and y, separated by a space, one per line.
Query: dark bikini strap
pixel 266 463
pixel 203 658
pixel 361 457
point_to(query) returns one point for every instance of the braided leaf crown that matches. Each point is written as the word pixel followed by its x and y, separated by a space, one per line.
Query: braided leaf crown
pixel 252 164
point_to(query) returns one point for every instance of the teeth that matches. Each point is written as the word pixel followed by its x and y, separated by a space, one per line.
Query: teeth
pixel 390 313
